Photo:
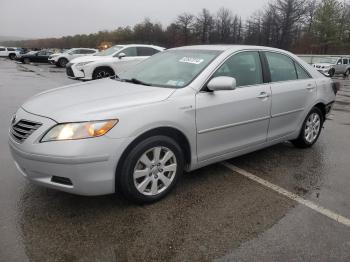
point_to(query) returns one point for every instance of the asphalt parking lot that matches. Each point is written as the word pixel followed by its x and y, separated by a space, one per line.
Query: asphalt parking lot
pixel 213 214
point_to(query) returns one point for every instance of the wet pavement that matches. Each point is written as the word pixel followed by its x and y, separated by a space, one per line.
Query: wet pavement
pixel 213 214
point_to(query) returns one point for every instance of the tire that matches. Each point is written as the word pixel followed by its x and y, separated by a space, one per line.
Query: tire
pixel 62 62
pixel 311 129
pixel 142 181
pixel 331 72
pixel 102 72
pixel 26 60
pixel 12 56
pixel 347 73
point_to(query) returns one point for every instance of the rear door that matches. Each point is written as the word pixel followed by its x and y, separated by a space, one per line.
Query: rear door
pixel 228 121
pixel 293 91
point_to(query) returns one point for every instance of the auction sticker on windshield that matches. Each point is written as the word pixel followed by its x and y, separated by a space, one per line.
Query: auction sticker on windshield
pixel 191 60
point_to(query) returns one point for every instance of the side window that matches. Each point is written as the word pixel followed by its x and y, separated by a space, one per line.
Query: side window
pixel 10 49
pixel 302 74
pixel 345 61
pixel 281 67
pixel 130 51
pixel 2 49
pixel 146 51
pixel 339 62
pixel 89 51
pixel 75 52
pixel 245 67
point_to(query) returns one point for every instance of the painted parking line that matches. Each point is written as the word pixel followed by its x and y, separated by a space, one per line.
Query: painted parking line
pixel 324 211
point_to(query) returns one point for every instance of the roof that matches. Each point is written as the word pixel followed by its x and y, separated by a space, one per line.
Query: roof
pixel 227 47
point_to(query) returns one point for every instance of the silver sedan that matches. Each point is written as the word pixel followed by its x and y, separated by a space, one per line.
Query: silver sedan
pixel 181 109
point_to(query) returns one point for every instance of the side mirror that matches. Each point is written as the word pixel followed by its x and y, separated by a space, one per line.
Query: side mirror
pixel 222 83
pixel 121 55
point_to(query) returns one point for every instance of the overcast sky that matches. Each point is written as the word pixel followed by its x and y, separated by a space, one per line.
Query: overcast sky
pixel 53 18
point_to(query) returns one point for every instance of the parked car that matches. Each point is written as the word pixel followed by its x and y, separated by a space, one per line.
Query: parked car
pixel 181 109
pixel 34 56
pixel 10 52
pixel 331 66
pixel 109 62
pixel 62 59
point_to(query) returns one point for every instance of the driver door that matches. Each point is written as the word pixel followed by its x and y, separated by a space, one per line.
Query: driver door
pixel 228 121
pixel 130 59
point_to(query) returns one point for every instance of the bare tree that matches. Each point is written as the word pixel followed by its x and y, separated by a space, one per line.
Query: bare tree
pixel 204 25
pixel 224 19
pixel 185 23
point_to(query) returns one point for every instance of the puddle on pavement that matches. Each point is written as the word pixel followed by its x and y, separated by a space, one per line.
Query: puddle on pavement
pixel 210 213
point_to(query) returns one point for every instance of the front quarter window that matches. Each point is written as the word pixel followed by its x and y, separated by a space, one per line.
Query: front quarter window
pixel 172 68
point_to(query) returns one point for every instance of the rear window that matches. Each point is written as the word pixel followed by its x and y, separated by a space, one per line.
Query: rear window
pixel 281 67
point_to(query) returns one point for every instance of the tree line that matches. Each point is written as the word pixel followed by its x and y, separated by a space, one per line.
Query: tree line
pixel 303 26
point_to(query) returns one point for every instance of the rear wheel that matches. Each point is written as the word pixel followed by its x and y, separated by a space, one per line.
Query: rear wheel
pixel 62 62
pixel 26 60
pixel 347 73
pixel 151 170
pixel 311 129
pixel 102 72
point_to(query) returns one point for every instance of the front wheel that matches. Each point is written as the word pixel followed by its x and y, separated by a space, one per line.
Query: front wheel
pixel 102 72
pixel 26 61
pixel 151 169
pixel 62 62
pixel 311 129
pixel 331 72
pixel 12 56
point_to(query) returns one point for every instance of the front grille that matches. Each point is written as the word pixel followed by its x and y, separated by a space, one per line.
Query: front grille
pixel 23 129
pixel 69 71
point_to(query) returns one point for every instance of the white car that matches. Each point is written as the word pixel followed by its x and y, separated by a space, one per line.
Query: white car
pixel 331 66
pixel 109 62
pixel 62 59
pixel 9 52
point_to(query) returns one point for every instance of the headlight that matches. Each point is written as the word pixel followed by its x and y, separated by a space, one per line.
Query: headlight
pixel 83 63
pixel 72 131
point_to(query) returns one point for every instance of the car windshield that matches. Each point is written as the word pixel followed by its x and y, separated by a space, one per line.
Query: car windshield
pixel 173 68
pixel 110 51
pixel 329 60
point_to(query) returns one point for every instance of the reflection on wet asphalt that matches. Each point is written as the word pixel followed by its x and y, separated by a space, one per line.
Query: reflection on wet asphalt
pixel 212 214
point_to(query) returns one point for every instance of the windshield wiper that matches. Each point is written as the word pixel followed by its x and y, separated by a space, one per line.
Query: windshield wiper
pixel 135 81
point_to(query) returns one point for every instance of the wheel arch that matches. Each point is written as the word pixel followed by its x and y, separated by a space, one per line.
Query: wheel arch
pixel 103 66
pixel 322 106
pixel 171 132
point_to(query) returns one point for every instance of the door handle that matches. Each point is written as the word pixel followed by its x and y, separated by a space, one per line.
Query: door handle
pixel 263 95
pixel 310 87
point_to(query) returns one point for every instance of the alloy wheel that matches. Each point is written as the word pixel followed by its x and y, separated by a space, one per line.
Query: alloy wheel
pixel 155 171
pixel 102 74
pixel 312 127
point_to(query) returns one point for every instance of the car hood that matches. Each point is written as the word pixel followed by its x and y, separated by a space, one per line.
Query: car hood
pixel 90 58
pixel 322 64
pixel 96 100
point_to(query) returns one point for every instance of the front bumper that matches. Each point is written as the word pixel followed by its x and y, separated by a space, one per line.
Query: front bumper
pixel 74 72
pixel 52 61
pixel 89 164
